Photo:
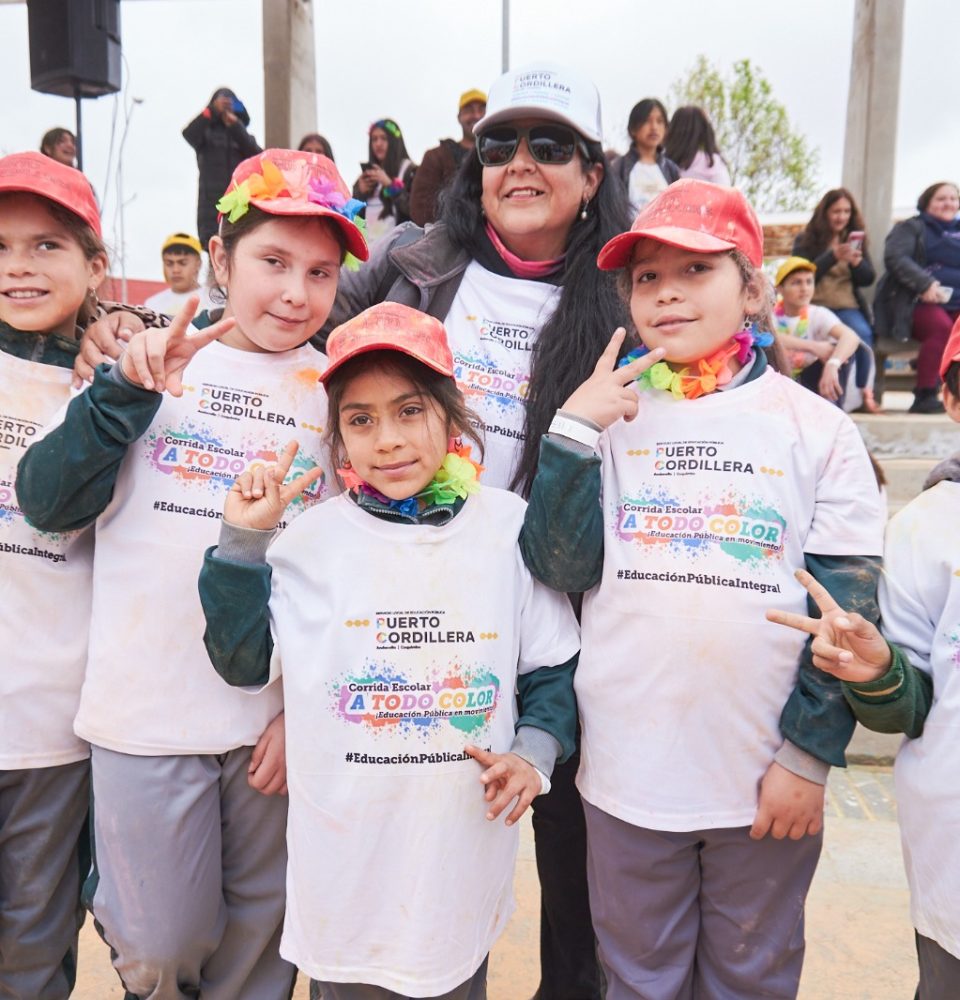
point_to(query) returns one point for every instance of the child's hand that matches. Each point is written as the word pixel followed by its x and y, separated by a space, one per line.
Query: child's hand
pixel 156 359
pixel 829 386
pixel 267 773
pixel 104 341
pixel 607 395
pixel 259 496
pixel 790 806
pixel 847 646
pixel 507 777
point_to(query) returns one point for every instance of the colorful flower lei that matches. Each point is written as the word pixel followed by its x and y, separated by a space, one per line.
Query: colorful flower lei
pixel 798 359
pixel 713 371
pixel 458 476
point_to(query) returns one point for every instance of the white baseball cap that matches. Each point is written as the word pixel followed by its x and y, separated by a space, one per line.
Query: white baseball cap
pixel 548 91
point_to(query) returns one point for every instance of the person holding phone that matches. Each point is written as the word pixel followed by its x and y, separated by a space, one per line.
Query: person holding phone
pixel 221 141
pixel 385 180
pixel 919 296
pixel 834 240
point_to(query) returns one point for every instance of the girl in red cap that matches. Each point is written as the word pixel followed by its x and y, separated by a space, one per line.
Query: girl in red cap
pixel 403 623
pixel 52 261
pixel 190 855
pixel 684 501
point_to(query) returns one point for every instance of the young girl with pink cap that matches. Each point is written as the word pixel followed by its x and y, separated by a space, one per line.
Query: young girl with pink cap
pixel 683 501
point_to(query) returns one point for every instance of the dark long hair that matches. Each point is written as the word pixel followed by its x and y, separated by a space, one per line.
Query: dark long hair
pixel 642 110
pixel 396 148
pixel 817 235
pixel 690 131
pixel 589 309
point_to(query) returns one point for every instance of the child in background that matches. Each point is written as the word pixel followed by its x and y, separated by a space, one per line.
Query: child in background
pixel 181 271
pixel 52 260
pixel 403 622
pixel 820 345
pixel 912 686
pixel 178 761
pixel 707 737
pixel 645 170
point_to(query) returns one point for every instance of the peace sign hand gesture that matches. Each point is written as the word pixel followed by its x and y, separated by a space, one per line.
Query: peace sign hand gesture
pixel 155 359
pixel 259 496
pixel 607 395
pixel 845 645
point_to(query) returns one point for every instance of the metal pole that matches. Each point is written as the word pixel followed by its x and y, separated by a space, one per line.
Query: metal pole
pixel 79 143
pixel 505 60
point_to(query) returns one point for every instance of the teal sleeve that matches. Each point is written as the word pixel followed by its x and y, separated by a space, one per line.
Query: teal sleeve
pixel 235 597
pixel 562 536
pixel 898 702
pixel 817 717
pixel 547 702
pixel 66 480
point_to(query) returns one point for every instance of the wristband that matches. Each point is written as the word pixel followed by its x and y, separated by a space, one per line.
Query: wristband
pixel 573 429
pixel 834 361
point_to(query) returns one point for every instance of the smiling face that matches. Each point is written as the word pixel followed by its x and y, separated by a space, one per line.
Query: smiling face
pixel 379 144
pixel 796 290
pixel 469 115
pixel 533 206
pixel 945 203
pixel 281 282
pixel 395 435
pixel 649 135
pixel 689 303
pixel 44 274
pixel 838 215
pixel 181 270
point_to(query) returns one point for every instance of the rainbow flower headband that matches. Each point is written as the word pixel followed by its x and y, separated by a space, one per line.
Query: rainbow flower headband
pixel 297 184
pixel 388 126
pixel 712 371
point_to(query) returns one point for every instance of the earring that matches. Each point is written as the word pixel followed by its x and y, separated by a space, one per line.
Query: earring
pixel 454 443
pixel 583 210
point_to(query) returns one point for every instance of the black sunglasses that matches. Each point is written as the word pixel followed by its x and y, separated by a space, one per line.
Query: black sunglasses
pixel 553 145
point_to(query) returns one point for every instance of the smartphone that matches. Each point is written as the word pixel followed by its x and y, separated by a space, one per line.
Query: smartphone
pixel 855 239
pixel 945 294
pixel 367 166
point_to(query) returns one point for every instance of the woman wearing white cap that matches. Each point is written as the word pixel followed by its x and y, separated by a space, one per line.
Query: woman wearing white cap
pixel 511 270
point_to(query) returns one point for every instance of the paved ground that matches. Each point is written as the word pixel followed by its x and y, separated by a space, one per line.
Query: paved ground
pixel 859 938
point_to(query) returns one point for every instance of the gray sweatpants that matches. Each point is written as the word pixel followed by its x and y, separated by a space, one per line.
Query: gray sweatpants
pixel 190 865
pixel 475 988
pixel 44 844
pixel 704 915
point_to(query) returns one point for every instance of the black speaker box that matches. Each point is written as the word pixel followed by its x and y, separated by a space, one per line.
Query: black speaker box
pixel 74 47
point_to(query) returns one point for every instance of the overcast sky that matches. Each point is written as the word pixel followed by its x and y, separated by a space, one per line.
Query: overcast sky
pixel 410 61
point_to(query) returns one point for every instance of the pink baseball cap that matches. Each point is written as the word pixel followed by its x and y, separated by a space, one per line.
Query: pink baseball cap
pixel 692 215
pixel 391 326
pixel 951 352
pixel 37 174
pixel 292 182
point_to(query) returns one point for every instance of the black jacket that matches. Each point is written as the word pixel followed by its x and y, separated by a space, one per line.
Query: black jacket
pixel 219 149
pixel 622 166
pixel 904 257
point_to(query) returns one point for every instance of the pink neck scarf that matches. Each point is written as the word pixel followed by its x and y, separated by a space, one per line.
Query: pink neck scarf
pixel 524 268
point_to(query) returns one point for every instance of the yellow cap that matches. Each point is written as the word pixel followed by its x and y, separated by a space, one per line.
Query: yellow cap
pixel 792 264
pixel 471 95
pixel 182 240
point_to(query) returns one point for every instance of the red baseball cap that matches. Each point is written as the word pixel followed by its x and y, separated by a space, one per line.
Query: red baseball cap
pixel 37 174
pixel 951 352
pixel 391 326
pixel 692 215
pixel 292 182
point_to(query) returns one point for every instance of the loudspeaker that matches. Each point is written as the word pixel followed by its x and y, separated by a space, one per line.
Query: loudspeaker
pixel 74 47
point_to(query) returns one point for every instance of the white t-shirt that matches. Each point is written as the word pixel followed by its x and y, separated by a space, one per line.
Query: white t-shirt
pixel 920 606
pixel 709 506
pixel 45 602
pixel 645 182
pixel 492 327
pixel 399 645
pixel 820 321
pixel 150 687
pixel 170 302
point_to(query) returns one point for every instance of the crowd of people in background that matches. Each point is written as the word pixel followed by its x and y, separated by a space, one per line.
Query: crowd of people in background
pixel 669 484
